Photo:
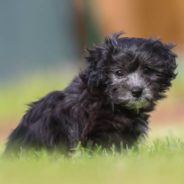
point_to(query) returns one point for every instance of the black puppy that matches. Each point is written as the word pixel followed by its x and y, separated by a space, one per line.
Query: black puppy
pixel 108 103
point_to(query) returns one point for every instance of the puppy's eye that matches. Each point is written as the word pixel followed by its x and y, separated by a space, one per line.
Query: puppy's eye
pixel 119 73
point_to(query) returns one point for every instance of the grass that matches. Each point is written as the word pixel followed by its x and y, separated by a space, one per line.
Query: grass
pixel 16 95
pixel 157 161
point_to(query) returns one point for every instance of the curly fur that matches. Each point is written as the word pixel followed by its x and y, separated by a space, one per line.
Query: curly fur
pixel 93 109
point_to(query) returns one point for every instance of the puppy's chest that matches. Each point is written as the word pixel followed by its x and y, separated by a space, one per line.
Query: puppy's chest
pixel 112 121
pixel 120 123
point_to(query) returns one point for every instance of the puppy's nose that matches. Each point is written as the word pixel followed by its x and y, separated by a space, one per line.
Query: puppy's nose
pixel 137 91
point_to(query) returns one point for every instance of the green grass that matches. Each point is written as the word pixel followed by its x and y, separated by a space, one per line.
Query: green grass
pixel 159 160
pixel 16 95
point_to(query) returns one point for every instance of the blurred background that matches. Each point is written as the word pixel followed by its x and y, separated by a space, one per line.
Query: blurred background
pixel 42 44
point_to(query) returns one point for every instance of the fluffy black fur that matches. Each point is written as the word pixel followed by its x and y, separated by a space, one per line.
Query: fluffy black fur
pixel 92 109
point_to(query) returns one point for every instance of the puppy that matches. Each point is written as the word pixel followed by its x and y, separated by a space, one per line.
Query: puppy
pixel 106 104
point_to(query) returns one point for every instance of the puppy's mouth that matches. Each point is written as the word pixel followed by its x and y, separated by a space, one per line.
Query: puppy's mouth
pixel 136 104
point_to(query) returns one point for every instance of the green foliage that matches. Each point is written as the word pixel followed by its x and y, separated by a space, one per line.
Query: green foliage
pixel 156 161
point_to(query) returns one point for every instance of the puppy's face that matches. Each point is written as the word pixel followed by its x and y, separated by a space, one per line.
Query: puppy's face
pixel 131 86
pixel 133 72
pixel 134 82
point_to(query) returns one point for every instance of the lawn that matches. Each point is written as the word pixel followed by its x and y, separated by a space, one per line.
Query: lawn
pixel 158 160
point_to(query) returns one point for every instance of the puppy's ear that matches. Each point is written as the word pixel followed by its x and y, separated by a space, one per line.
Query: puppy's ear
pixel 168 59
pixel 171 60
pixel 103 50
pixel 98 58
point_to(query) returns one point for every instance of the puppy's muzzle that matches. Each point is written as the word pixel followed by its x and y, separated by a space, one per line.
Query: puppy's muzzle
pixel 136 91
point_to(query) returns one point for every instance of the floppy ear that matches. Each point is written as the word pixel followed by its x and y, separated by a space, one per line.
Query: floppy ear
pixel 102 50
pixel 169 61
pixel 98 58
